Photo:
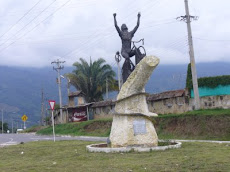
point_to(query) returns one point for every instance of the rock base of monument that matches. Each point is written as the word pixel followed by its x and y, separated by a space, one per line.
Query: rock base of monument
pixel 103 147
pixel 132 130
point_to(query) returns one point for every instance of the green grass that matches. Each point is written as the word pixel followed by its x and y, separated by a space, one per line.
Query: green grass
pixel 206 112
pixel 33 129
pixel 211 124
pixel 72 156
pixel 81 128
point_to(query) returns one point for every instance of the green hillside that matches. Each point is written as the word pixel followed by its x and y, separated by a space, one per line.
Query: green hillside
pixel 202 124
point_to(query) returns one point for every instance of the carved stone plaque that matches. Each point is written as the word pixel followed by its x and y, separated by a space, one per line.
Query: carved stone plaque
pixel 139 127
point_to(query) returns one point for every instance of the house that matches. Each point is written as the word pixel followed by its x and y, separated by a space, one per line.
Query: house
pixel 74 112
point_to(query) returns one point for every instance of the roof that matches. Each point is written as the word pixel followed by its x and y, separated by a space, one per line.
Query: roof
pixel 103 103
pixel 166 95
pixel 76 94
pixel 77 106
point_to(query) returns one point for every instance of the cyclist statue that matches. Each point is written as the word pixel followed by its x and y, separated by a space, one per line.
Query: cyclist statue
pixel 126 51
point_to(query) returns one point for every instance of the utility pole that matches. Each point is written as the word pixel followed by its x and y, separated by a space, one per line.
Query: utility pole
pixel 42 109
pixel 58 68
pixel 2 122
pixel 187 18
pixel 46 109
pixel 68 85
pixel 107 89
pixel 12 126
pixel 118 59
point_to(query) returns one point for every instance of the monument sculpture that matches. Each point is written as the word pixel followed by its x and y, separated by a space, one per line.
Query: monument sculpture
pixel 131 123
pixel 126 51
pixel 132 127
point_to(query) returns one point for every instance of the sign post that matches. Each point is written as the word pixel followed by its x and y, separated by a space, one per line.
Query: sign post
pixel 24 118
pixel 52 104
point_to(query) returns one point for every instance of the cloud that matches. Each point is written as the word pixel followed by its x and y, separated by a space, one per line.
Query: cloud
pixel 85 28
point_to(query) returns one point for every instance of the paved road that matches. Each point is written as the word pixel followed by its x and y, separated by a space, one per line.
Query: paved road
pixel 13 139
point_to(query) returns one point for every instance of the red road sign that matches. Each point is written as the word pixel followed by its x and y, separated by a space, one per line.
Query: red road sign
pixel 52 104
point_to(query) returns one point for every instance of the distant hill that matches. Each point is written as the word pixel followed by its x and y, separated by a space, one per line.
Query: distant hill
pixel 20 88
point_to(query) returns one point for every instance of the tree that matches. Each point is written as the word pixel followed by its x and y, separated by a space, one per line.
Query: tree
pixel 5 126
pixel 91 78
pixel 189 78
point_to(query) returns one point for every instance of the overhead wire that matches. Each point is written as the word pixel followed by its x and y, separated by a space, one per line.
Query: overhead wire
pixel 29 22
pixel 95 34
pixel 38 24
pixel 109 35
pixel 211 40
pixel 80 35
pixel 88 45
pixel 95 41
pixel 155 3
pixel 21 18
pixel 79 4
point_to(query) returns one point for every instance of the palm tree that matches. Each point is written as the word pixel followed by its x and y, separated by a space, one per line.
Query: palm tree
pixel 91 78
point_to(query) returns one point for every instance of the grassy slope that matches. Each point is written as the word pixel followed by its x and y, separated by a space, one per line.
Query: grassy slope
pixel 202 124
pixel 72 156
pixel 89 128
pixel 212 124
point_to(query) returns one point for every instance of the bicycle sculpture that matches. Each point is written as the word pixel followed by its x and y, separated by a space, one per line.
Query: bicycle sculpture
pixel 126 51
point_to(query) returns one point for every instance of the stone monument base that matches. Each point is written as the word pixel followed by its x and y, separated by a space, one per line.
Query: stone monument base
pixel 103 147
pixel 132 130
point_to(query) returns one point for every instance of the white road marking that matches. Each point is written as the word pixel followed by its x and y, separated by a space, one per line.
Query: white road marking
pixel 9 143
pixel 41 138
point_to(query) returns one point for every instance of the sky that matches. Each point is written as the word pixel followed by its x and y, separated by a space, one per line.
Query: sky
pixel 33 33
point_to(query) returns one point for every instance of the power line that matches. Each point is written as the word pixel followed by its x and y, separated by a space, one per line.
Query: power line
pixel 79 4
pixel 21 18
pixel 212 40
pixel 38 24
pixel 95 41
pixel 95 34
pixel 29 22
pixel 77 36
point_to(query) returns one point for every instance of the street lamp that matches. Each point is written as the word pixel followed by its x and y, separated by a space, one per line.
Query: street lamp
pixel 68 83
pixel 2 123
pixel 12 122
pixel 68 92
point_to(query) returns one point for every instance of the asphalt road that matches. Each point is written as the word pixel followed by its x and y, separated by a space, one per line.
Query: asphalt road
pixel 13 139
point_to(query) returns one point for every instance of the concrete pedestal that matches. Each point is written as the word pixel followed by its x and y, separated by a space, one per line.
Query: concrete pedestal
pixel 129 130
pixel 131 124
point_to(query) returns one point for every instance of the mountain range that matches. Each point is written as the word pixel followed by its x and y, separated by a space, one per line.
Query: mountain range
pixel 21 88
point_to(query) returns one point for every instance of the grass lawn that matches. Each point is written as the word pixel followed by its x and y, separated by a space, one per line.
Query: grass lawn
pixel 206 112
pixel 72 156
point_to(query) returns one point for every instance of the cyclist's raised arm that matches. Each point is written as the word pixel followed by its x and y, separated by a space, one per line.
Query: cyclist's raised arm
pixel 138 23
pixel 115 23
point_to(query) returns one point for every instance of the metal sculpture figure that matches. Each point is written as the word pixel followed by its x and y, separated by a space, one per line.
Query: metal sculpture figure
pixel 126 50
